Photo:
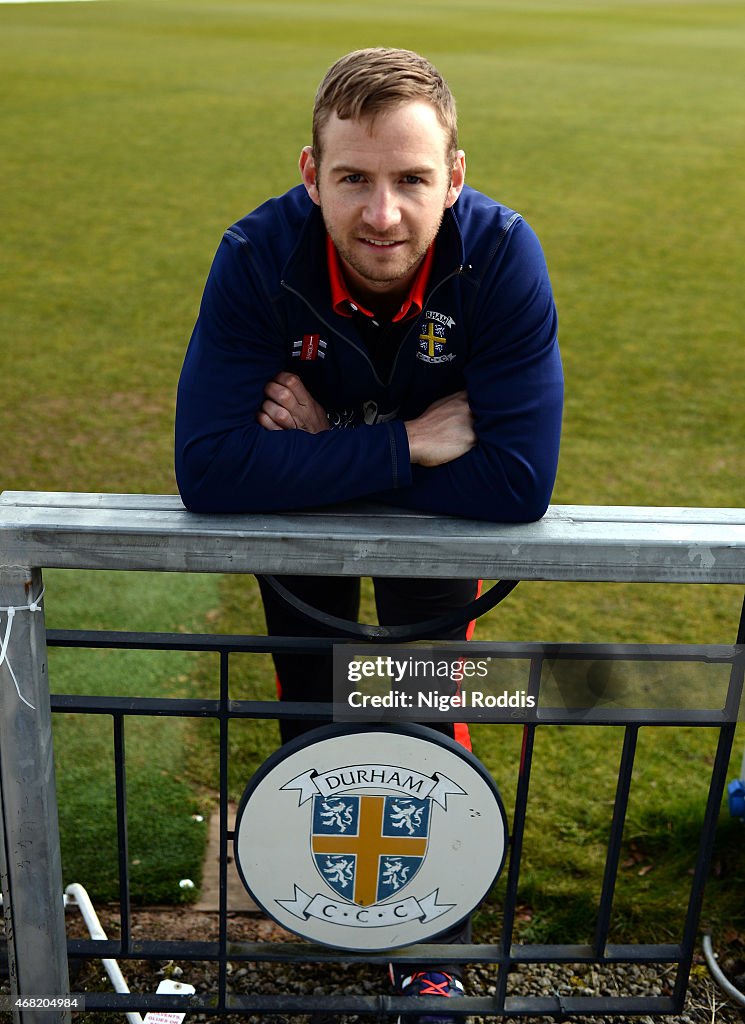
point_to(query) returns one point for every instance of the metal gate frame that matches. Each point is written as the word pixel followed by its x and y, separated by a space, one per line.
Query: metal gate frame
pixel 506 954
pixel 155 533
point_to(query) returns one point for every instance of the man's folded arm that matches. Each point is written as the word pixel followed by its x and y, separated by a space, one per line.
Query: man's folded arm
pixel 515 388
pixel 225 460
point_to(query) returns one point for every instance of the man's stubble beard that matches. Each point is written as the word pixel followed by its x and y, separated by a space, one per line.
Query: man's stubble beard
pixel 381 278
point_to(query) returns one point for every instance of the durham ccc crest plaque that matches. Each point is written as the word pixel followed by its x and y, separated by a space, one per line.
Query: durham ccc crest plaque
pixel 369 839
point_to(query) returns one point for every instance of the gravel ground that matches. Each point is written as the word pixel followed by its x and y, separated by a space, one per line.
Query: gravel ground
pixel 705 1003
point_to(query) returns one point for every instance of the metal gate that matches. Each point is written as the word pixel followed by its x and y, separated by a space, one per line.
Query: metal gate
pixel 110 532
pixel 718 711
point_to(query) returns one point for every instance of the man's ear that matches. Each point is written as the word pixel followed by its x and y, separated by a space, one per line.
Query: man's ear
pixel 309 172
pixel 457 178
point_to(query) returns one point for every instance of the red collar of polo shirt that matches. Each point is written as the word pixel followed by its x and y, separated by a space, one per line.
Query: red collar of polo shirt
pixel 345 305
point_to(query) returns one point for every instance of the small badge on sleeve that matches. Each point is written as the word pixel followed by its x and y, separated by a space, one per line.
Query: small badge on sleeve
pixel 309 348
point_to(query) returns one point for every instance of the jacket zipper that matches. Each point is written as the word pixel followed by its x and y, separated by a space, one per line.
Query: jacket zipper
pixel 293 291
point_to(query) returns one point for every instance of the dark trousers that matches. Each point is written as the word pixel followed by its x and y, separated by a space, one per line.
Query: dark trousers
pixel 308 677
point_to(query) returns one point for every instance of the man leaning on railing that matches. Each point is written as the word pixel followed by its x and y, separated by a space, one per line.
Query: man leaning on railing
pixel 381 330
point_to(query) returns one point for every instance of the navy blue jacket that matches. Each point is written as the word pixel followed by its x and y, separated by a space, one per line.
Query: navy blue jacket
pixel 488 325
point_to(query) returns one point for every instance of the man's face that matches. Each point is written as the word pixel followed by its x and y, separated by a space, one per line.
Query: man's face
pixel 383 186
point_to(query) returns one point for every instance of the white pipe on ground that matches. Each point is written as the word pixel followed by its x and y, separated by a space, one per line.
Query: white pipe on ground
pixel 80 897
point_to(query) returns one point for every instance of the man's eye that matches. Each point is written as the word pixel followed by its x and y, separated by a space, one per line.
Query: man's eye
pixel 412 179
pixel 353 179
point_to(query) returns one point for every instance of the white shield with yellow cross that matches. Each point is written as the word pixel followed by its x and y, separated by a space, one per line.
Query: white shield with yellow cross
pixel 370 838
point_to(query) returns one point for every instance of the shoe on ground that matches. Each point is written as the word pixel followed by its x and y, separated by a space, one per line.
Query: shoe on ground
pixel 429 983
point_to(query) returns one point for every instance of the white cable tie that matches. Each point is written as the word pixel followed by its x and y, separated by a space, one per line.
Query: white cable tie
pixel 10 611
pixel 32 606
pixel 6 638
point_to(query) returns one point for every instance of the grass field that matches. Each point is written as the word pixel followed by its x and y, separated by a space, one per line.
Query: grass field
pixel 133 133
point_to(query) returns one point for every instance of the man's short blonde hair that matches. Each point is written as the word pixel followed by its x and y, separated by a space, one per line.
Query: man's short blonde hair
pixel 365 83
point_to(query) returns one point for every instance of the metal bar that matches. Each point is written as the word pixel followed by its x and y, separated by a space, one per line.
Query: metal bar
pixel 634 716
pixel 237 643
pixel 187 707
pixel 30 862
pixel 561 1006
pixel 292 952
pixel 196 708
pixel 138 641
pixel 149 706
pixel 98 949
pixel 633 545
pixel 615 840
pixel 518 832
pixel 120 782
pixel 385 1006
pixel 665 952
pixel 222 983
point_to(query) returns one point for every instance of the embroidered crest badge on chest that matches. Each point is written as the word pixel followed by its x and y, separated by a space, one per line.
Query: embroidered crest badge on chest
pixel 433 339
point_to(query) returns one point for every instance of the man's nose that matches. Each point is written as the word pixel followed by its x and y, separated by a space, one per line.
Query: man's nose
pixel 382 210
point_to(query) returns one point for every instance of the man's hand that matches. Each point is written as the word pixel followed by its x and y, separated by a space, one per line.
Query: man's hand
pixel 289 405
pixel 442 433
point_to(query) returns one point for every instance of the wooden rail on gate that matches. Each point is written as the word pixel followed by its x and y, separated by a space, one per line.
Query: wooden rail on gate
pixel 154 532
